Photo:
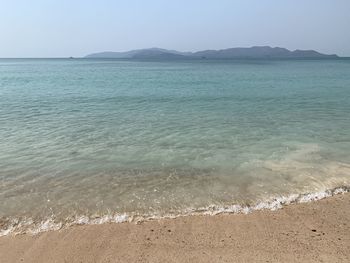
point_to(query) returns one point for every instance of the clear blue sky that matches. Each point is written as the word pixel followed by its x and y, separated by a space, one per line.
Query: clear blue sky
pixel 61 28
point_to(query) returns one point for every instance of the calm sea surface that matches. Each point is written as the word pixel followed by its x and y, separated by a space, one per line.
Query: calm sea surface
pixel 86 138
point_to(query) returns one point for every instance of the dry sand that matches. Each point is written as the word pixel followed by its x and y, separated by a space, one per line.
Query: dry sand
pixel 313 232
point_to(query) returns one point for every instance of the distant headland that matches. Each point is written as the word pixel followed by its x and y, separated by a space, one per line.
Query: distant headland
pixel 256 52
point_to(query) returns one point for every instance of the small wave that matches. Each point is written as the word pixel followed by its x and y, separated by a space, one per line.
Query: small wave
pixel 29 226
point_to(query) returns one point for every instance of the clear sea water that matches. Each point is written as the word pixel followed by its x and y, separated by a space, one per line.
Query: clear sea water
pixel 85 139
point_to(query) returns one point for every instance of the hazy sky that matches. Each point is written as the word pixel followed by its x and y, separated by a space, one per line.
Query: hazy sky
pixel 56 28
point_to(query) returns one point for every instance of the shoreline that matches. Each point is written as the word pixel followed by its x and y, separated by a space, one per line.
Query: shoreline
pixel 20 226
pixel 312 232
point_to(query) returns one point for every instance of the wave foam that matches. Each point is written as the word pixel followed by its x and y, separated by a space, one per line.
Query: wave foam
pixel 29 226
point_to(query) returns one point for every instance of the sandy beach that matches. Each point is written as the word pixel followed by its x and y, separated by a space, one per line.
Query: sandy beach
pixel 310 232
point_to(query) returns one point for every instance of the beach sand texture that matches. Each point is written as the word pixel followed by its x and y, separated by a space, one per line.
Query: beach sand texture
pixel 310 232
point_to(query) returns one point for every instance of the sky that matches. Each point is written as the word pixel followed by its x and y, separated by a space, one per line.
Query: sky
pixel 62 28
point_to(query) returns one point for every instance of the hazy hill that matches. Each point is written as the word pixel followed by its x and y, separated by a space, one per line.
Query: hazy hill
pixel 257 52
pixel 141 53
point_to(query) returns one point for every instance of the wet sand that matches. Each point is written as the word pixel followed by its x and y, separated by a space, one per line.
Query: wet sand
pixel 312 232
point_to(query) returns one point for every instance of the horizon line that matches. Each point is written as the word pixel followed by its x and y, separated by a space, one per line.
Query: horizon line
pixel 171 49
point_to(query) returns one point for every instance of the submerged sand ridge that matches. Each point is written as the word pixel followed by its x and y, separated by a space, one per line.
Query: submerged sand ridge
pixel 290 178
pixel 306 232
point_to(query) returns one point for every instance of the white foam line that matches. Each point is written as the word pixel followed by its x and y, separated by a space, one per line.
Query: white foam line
pixel 28 226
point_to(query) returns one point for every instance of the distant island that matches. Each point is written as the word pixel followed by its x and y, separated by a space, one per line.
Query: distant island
pixel 256 52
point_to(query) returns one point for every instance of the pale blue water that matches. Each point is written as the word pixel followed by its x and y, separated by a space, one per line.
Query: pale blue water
pixel 97 137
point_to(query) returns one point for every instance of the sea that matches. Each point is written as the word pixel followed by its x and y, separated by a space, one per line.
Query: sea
pixel 90 141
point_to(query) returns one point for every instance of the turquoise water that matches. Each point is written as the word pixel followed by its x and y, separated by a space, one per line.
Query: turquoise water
pixel 93 138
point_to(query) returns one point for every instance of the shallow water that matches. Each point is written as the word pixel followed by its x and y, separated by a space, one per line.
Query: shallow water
pixel 91 138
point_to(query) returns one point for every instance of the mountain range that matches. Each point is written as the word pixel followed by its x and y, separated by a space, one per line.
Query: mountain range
pixel 256 52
